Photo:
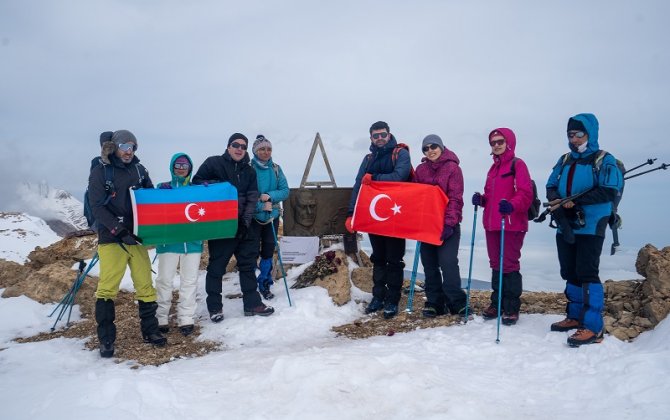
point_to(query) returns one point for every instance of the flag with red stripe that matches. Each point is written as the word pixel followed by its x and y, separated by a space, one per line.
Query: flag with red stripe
pixel 166 216
pixel 401 210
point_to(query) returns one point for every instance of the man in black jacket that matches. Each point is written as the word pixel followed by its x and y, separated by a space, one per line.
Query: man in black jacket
pixel 233 166
pixel 117 246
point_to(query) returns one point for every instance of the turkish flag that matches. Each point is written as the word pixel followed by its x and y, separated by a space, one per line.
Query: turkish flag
pixel 401 210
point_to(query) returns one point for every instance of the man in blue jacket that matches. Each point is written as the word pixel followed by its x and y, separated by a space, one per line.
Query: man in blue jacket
pixel 382 164
pixel 593 174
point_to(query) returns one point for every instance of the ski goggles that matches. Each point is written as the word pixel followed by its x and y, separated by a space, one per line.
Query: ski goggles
pixel 127 147
pixel 182 166
pixel 377 136
pixel 578 134
pixel 429 147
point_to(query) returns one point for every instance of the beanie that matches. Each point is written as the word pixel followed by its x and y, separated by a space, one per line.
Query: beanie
pixel 432 139
pixel 123 136
pixel 261 141
pixel 238 136
pixel 577 125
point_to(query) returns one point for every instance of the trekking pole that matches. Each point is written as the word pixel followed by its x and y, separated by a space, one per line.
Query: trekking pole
pixel 552 207
pixel 472 249
pixel 64 301
pixel 500 278
pixel 412 280
pixel 649 161
pixel 281 263
pixel 94 260
pixel 663 166
pixel 68 299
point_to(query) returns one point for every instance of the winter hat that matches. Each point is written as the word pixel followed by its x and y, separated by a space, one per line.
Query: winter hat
pixel 261 141
pixel 576 125
pixel 432 139
pixel 123 136
pixel 238 136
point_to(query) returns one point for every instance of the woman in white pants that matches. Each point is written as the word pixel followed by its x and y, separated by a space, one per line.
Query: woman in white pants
pixel 186 255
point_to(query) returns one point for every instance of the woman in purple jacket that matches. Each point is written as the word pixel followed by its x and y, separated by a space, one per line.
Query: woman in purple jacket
pixel 508 193
pixel 440 263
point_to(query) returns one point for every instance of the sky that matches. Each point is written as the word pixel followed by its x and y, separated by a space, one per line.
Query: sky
pixel 291 365
pixel 183 76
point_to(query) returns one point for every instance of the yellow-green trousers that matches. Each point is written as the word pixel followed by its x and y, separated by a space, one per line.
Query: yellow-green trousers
pixel 113 262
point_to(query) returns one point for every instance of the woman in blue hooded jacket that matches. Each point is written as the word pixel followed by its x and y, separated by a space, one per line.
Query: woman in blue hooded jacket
pixel 273 189
pixel 186 255
pixel 593 174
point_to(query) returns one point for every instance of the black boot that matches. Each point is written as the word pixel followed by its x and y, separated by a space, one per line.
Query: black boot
pixel 104 316
pixel 149 324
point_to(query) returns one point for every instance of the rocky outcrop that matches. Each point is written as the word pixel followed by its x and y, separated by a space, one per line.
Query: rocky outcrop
pixel 632 307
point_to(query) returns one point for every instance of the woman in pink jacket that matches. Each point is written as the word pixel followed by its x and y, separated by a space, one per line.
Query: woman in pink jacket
pixel 508 193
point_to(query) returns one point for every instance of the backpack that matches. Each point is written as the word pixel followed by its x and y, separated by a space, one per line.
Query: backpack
pixel 534 209
pixel 110 190
pixel 394 158
pixel 615 220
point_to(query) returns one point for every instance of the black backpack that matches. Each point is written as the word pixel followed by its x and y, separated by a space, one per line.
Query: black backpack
pixel 534 209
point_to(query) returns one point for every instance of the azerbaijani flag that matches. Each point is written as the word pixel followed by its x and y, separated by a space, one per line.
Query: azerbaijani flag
pixel 167 216
pixel 401 210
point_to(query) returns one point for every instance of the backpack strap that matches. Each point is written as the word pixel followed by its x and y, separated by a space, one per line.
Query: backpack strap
pixel 110 189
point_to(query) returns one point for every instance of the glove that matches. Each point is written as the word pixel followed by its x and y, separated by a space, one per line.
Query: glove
pixel 505 207
pixel 242 230
pixel 477 199
pixel 127 237
pixel 446 232
pixel 367 179
pixel 348 225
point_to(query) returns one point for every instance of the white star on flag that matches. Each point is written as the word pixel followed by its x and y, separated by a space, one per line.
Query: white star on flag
pixel 201 211
pixel 396 209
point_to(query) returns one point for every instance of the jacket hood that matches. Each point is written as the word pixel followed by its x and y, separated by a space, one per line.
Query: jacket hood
pixel 510 140
pixel 591 125
pixel 175 178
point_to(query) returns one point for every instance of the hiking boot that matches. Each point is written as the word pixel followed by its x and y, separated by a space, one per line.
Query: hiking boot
pixel 490 313
pixel 510 318
pixel 267 294
pixel 156 339
pixel 216 317
pixel 583 336
pixel 107 349
pixel 461 312
pixel 375 305
pixel 164 329
pixel 390 310
pixel 262 310
pixel 431 310
pixel 186 330
pixel 566 325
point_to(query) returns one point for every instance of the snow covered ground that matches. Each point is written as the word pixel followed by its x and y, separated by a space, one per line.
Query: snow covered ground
pixel 21 233
pixel 290 365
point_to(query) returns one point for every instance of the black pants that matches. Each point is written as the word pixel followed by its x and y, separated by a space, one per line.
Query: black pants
pixel 443 276
pixel 580 261
pixel 220 252
pixel 267 237
pixel 387 267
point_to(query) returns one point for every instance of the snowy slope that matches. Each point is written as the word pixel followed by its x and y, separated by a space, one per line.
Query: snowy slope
pixel 290 365
pixel 21 233
pixel 52 204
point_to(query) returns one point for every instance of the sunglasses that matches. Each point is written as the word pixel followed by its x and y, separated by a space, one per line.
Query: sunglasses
pixel 578 134
pixel 264 149
pixel 238 146
pixel 126 147
pixel 378 136
pixel 430 146
pixel 497 142
pixel 182 166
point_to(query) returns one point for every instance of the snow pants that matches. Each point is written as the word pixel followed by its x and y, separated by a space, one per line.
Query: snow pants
pixel 188 282
pixel 580 264
pixel 113 261
pixel 387 267
pixel 443 276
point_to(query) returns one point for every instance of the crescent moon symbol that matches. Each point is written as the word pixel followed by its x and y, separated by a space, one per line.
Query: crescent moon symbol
pixel 373 204
pixel 188 207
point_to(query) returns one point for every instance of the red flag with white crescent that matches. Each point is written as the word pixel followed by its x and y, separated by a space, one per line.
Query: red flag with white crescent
pixel 401 210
